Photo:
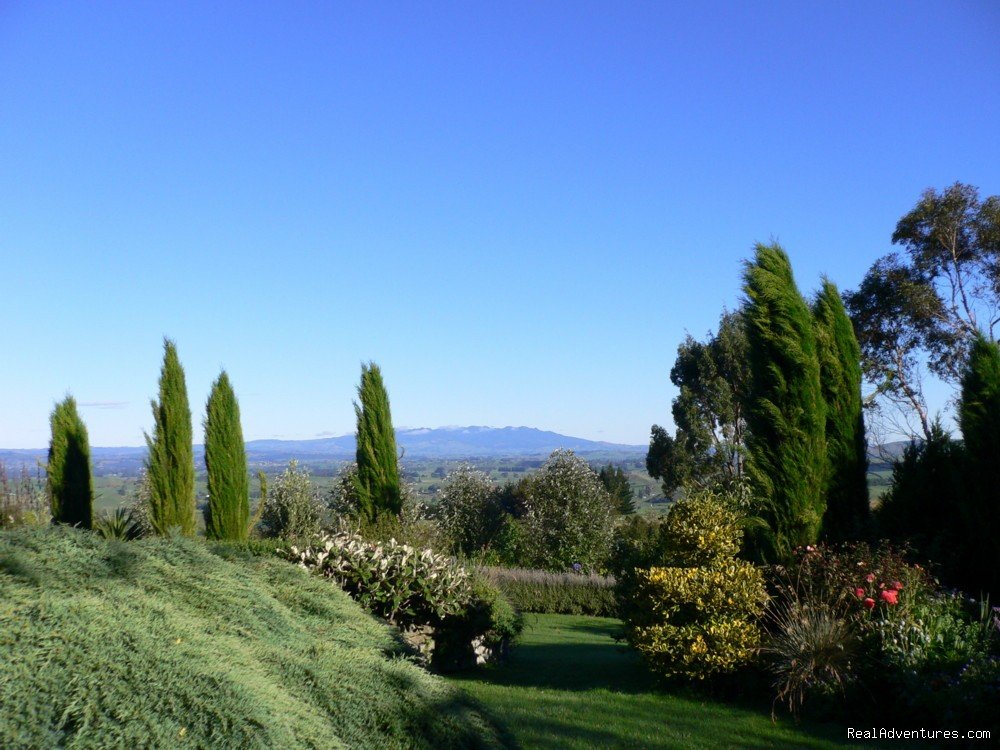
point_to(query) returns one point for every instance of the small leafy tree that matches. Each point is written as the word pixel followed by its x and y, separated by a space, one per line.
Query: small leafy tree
pixel 226 464
pixel 170 463
pixel 379 488
pixel 786 413
pixel 847 509
pixel 616 482
pixel 568 515
pixel 71 490
pixel 291 508
pixel 469 510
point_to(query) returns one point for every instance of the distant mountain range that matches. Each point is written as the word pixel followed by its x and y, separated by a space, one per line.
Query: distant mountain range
pixel 420 443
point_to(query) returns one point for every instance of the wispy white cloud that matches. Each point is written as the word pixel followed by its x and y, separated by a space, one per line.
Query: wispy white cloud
pixel 104 404
pixel 325 433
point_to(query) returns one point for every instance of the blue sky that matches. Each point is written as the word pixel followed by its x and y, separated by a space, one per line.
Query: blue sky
pixel 517 209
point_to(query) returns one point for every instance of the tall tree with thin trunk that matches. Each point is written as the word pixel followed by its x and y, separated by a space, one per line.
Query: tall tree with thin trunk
pixel 786 447
pixel 378 483
pixel 979 416
pixel 847 510
pixel 71 490
pixel 170 463
pixel 226 463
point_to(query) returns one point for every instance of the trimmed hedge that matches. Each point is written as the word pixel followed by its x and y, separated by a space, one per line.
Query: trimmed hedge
pixel 555 593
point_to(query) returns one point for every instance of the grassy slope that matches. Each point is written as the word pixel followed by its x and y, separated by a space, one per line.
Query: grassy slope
pixel 569 685
pixel 162 643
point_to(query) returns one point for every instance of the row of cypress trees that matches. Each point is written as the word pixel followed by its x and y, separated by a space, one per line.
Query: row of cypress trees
pixel 806 448
pixel 170 460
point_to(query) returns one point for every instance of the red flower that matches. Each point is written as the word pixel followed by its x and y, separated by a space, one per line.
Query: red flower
pixel 889 596
pixel 859 592
pixel 869 602
pixel 898 585
pixel 870 577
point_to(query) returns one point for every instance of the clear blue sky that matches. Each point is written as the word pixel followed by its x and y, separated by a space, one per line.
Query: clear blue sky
pixel 517 209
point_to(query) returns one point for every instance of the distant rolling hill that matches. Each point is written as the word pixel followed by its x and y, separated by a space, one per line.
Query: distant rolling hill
pixel 422 443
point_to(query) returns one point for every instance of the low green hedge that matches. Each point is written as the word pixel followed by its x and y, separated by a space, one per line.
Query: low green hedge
pixel 555 593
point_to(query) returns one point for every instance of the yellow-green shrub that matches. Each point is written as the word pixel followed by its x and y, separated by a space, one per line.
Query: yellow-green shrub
pixel 694 622
pixel 697 614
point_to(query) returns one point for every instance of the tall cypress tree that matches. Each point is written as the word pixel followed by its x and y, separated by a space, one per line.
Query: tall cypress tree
pixel 979 417
pixel 170 463
pixel 378 484
pixel 226 462
pixel 71 491
pixel 847 509
pixel 786 447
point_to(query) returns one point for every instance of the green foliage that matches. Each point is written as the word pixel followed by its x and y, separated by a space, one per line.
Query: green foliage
pixel 545 592
pixel 979 416
pixel 160 643
pixel 291 508
pixel 482 633
pixel 170 463
pixel 786 415
pixel 921 508
pixel 847 511
pixel 228 512
pixel 568 516
pixel 616 482
pixel 469 510
pixel 709 445
pixel 379 487
pixel 118 525
pixel 70 486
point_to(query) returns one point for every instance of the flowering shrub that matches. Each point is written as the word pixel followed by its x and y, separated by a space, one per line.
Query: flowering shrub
pixel 401 584
pixel 695 614
pixel 453 619
pixel 889 628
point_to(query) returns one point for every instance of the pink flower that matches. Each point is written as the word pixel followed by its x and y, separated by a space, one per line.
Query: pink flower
pixel 870 577
pixel 889 597
pixel 869 602
pixel 898 585
pixel 859 592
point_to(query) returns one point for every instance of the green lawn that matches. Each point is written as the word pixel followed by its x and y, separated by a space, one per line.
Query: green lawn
pixel 568 684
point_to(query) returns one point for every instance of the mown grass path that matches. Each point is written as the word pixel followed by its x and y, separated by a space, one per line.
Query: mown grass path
pixel 568 684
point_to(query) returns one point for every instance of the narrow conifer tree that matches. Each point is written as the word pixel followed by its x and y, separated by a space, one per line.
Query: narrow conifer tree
pixel 786 447
pixel 979 417
pixel 226 464
pixel 170 463
pixel 847 509
pixel 71 491
pixel 378 483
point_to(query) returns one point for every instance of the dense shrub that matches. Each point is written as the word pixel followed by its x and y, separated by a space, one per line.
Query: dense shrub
pixel 426 595
pixel 71 488
pixel 921 509
pixel 469 510
pixel 699 621
pixel 292 509
pixel 568 515
pixel 697 614
pixel 545 592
